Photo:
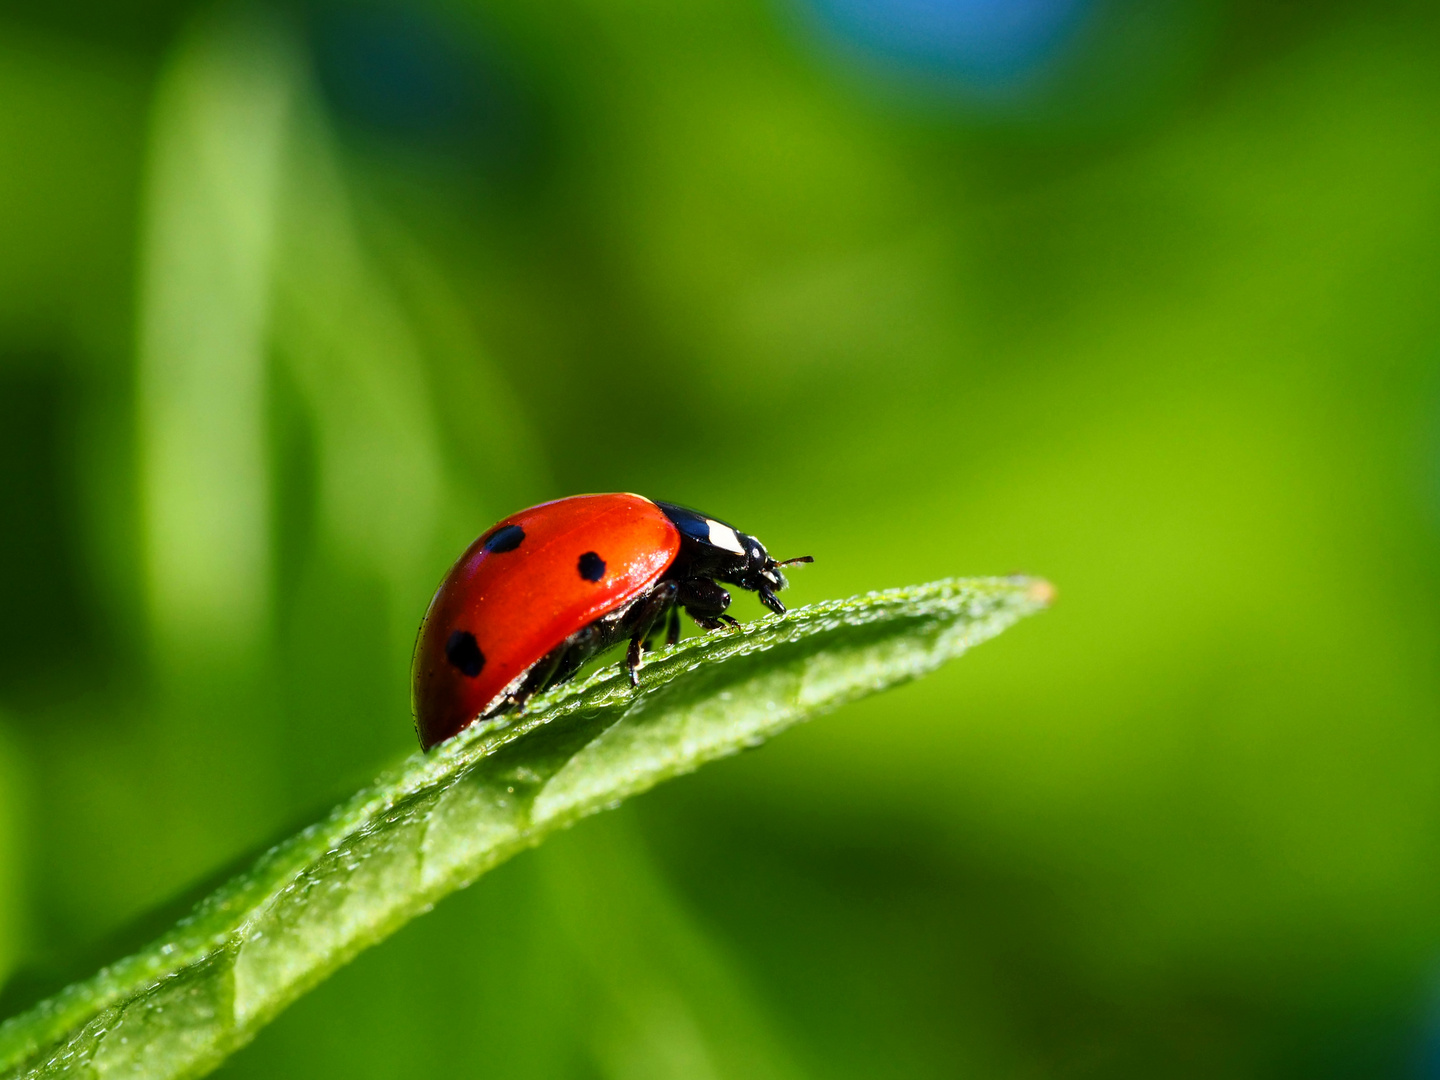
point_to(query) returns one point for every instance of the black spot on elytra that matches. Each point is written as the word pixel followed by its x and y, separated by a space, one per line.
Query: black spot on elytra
pixel 506 539
pixel 464 654
pixel 592 567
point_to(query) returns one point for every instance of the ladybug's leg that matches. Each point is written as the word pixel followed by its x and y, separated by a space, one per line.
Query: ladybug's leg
pixel 540 675
pixel 705 602
pixel 666 628
pixel 574 658
pixel 770 600
pixel 632 661
pixel 647 611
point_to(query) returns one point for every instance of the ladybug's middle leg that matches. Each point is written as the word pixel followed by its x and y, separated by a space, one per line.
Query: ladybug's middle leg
pixel 641 619
pixel 666 630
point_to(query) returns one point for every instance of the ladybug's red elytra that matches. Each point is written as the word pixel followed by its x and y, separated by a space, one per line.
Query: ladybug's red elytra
pixel 539 593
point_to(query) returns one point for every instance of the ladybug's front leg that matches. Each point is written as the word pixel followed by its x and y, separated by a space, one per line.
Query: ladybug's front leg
pixel 705 602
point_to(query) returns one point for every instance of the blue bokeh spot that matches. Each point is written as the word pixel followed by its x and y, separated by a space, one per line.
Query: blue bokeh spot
pixel 989 44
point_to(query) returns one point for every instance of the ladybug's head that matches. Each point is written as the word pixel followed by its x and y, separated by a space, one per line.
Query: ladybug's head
pixel 761 574
pixel 724 553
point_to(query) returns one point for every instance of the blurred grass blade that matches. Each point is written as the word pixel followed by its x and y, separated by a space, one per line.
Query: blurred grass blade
pixel 358 359
pixel 439 821
pixel 221 114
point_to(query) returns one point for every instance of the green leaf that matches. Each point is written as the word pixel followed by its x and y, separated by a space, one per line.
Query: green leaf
pixel 439 821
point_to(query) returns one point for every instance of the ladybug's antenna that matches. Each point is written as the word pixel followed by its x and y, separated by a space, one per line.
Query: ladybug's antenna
pixel 797 561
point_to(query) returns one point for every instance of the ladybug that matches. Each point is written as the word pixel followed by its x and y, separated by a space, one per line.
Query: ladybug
pixel 539 593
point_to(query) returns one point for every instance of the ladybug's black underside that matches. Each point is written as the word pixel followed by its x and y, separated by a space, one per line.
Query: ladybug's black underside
pixel 711 552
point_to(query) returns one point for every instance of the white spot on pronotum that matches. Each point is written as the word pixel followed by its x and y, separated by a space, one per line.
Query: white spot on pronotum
pixel 722 536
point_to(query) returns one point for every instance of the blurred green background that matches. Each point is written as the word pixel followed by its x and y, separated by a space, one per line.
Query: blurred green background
pixel 295 300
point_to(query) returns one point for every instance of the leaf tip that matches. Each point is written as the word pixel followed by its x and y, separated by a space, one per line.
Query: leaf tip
pixel 1041 592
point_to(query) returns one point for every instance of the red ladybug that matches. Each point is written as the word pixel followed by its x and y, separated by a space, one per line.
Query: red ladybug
pixel 544 590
